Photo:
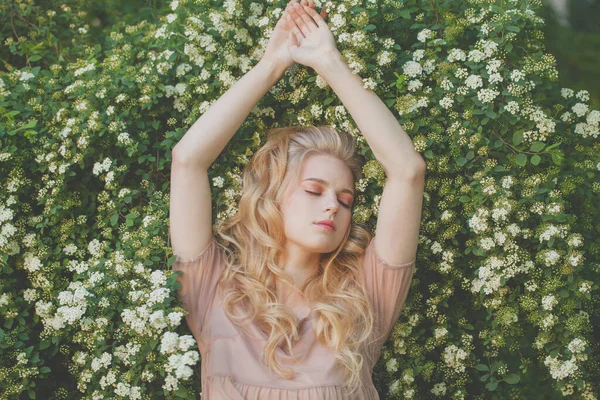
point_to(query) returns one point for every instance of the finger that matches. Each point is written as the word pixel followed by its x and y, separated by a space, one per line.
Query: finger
pixel 316 17
pixel 294 29
pixel 308 23
pixel 323 13
pixel 300 20
pixel 298 34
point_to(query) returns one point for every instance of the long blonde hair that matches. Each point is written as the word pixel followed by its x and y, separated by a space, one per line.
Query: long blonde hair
pixel 254 237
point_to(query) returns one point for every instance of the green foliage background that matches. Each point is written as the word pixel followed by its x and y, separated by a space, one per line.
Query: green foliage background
pixel 93 97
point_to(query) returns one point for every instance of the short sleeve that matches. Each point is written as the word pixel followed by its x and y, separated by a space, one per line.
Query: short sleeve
pixel 387 286
pixel 199 283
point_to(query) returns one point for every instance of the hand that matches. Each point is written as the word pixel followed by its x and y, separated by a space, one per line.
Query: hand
pixel 277 48
pixel 311 41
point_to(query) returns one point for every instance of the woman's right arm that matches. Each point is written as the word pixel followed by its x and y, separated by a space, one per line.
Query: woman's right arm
pixel 190 213
pixel 208 136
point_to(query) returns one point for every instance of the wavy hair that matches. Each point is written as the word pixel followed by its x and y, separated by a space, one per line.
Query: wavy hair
pixel 254 244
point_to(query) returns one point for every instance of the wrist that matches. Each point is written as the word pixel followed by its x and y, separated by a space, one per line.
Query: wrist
pixel 272 69
pixel 332 63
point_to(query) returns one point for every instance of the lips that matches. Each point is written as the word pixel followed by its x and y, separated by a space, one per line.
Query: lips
pixel 327 222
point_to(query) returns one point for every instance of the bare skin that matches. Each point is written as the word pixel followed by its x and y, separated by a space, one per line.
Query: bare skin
pixel 305 240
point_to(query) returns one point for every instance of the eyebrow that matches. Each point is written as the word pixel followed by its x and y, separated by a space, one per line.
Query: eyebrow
pixel 327 184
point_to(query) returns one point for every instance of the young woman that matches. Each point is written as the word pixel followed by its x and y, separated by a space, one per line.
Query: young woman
pixel 291 299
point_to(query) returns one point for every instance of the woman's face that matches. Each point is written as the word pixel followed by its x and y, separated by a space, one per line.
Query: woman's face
pixel 332 187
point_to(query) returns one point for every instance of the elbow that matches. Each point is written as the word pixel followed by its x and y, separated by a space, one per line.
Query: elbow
pixel 420 166
pixel 415 168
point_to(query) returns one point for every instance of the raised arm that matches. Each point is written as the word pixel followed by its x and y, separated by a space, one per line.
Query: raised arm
pixel 208 136
pixel 399 216
pixel 191 206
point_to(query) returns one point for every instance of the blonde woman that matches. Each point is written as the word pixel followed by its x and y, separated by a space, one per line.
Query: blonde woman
pixel 291 299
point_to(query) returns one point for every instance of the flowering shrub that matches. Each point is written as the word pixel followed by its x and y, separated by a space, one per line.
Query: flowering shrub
pixel 503 301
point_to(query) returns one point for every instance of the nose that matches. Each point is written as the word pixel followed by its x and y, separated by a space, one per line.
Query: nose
pixel 331 204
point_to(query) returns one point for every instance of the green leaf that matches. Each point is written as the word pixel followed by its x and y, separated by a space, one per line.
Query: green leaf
pixel 512 378
pixel 370 27
pixel 535 159
pixel 492 385
pixel 557 158
pixel 537 146
pixel 521 159
pixel 45 370
pixel 553 146
pixel 464 199
pixel 517 137
pixel 491 114
pixel 405 14
pixel 497 9
pixel 509 47
pixel 461 161
pixel 31 393
pixel 114 219
pixel 513 28
pixel 35 58
pixel 482 367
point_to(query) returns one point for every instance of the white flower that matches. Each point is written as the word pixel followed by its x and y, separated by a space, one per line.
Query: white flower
pixel 487 95
pixel 583 95
pixel 385 58
pixel 439 389
pixel 425 34
pixel 414 85
pixel 456 55
pixel 560 370
pixel 476 56
pixel 446 102
pixel 585 287
pixel 418 54
pixel 567 93
pixel 446 84
pixel 412 69
pixel 593 118
pixel 580 109
pixel 517 75
pixel 440 332
pixel 454 357
pixel 548 302
pixel 474 82
pixel 577 345
pixel 392 365
pixel 512 107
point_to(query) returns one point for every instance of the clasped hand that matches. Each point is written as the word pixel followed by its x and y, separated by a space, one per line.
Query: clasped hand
pixel 308 40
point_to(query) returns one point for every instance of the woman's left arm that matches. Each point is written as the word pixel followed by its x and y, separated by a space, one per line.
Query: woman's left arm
pixel 390 144
pixel 399 216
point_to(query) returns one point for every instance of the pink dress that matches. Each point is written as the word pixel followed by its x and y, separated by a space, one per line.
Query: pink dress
pixel 232 368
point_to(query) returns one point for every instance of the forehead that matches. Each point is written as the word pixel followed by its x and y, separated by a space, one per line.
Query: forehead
pixel 327 168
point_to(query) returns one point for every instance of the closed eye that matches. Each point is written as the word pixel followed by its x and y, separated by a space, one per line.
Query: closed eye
pixel 318 194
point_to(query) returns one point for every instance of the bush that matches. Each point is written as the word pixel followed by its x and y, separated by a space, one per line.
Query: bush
pixel 503 300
